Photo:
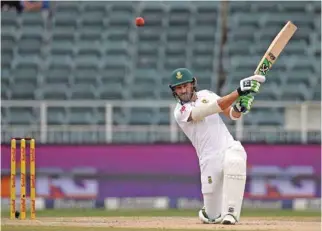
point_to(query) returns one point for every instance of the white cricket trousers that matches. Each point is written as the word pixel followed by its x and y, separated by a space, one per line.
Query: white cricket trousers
pixel 212 178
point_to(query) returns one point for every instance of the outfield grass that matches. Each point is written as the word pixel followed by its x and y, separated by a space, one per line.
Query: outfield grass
pixel 169 212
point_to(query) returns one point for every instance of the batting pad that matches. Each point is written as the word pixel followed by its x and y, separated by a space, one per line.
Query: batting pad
pixel 234 182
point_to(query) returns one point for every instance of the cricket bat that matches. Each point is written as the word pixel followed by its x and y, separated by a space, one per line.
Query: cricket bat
pixel 275 49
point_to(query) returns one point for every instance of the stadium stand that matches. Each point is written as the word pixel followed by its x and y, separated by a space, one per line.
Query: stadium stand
pixel 94 51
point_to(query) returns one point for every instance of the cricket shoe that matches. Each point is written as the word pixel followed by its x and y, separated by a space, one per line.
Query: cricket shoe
pixel 229 219
pixel 205 219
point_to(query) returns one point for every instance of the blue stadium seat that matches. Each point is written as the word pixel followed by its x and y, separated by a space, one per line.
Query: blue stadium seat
pixel 9 21
pixel 56 116
pixel 296 92
pixel 57 91
pixel 143 116
pixel 58 72
pixel 33 20
pixel 112 91
pixel 81 91
pixel 90 35
pixel 63 36
pixel 81 116
pixel 61 50
pixel 68 22
pixel 86 71
pixel 20 116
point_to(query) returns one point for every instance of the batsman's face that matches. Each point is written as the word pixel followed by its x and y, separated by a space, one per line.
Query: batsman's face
pixel 184 91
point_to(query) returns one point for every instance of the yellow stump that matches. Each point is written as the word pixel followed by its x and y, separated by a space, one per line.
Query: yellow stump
pixel 23 179
pixel 32 179
pixel 13 179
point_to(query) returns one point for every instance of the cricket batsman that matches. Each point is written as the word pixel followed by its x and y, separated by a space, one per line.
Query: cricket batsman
pixel 222 159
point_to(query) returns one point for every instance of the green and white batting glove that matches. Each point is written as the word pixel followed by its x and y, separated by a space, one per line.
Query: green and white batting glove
pixel 244 104
pixel 250 84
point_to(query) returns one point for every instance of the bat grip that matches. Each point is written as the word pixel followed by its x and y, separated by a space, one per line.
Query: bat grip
pixel 242 109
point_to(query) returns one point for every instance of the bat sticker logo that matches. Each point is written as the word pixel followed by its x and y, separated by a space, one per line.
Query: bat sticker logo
pixel 247 83
pixel 265 67
pixel 272 56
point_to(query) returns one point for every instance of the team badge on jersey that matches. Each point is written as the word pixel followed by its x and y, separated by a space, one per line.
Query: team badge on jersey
pixel 204 101
pixel 209 180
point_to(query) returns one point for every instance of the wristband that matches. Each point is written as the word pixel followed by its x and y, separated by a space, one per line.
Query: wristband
pixel 242 109
pixel 240 92
pixel 231 114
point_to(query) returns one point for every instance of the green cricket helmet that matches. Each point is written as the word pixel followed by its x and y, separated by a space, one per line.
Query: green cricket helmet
pixel 181 76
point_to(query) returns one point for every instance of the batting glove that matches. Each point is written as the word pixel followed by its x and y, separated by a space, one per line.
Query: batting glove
pixel 244 104
pixel 250 84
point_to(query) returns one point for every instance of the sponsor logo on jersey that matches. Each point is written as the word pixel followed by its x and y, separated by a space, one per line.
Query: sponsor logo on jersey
pixel 183 108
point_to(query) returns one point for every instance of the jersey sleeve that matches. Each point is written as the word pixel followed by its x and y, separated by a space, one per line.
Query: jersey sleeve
pixel 213 95
pixel 182 113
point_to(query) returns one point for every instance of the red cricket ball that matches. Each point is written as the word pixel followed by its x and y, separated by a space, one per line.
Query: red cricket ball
pixel 139 21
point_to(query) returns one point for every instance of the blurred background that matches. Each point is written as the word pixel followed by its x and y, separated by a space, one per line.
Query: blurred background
pixel 92 89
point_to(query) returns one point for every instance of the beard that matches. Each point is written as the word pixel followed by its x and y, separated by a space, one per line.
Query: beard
pixel 186 97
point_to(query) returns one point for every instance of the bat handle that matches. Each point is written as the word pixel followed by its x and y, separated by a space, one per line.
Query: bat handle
pixel 242 109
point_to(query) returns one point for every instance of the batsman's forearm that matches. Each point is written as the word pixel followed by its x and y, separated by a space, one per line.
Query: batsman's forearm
pixel 200 112
pixel 228 100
